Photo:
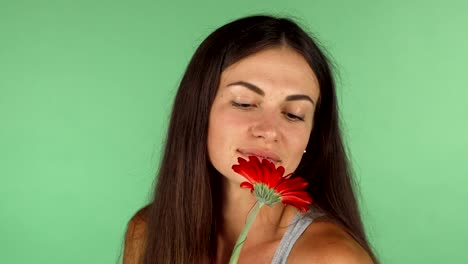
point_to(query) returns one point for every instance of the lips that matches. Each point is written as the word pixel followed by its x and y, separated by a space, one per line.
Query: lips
pixel 260 153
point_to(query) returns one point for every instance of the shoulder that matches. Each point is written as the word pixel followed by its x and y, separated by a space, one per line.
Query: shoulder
pixel 136 227
pixel 327 242
pixel 135 237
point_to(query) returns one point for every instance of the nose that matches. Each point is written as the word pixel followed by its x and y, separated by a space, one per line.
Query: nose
pixel 265 128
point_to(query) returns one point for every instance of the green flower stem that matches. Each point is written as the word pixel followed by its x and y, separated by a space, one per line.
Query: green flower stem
pixel 243 235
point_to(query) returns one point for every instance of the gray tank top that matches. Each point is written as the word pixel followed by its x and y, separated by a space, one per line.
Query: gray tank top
pixel 298 225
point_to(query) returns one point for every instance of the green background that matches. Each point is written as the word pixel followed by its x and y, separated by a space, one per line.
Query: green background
pixel 86 89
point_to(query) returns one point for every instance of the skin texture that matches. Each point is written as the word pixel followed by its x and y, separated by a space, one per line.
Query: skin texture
pixel 270 123
pixel 264 122
pixel 243 121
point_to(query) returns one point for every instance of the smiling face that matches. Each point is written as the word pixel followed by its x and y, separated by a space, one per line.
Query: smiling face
pixel 264 106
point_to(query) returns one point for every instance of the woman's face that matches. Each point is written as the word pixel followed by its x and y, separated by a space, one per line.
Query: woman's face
pixel 264 106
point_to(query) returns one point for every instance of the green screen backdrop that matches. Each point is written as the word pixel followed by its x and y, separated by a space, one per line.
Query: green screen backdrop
pixel 86 89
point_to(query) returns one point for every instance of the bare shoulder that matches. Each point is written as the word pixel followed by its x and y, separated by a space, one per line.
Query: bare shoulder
pixel 135 237
pixel 136 227
pixel 327 242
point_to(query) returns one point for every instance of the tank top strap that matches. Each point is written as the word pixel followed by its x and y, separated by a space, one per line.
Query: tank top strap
pixel 298 225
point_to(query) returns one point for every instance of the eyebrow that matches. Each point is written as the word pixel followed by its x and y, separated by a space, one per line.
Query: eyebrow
pixel 257 90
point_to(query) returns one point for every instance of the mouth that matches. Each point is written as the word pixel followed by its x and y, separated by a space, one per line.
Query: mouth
pixel 261 154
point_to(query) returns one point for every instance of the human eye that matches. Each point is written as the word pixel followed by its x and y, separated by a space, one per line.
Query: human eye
pixel 293 117
pixel 242 105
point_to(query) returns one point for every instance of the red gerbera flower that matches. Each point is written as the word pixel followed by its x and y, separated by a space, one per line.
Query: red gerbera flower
pixel 270 186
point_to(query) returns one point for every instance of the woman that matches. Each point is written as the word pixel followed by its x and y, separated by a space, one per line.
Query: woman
pixel 256 86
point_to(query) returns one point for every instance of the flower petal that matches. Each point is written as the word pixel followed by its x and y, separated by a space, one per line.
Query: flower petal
pixel 268 182
pixel 244 171
pixel 301 204
pixel 247 185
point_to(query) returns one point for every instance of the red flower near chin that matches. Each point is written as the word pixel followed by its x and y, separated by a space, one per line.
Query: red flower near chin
pixel 270 185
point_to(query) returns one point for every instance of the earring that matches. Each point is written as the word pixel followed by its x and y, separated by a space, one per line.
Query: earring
pixel 304 151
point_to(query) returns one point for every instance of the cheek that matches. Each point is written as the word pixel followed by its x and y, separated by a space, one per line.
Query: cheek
pixel 224 134
pixel 297 144
pixel 303 140
pixel 223 131
pixel 227 122
pixel 297 137
pixel 215 145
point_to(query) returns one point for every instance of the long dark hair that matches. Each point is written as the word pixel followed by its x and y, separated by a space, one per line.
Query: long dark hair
pixel 183 216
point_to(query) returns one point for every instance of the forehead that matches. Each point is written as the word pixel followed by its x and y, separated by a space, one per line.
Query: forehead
pixel 279 67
